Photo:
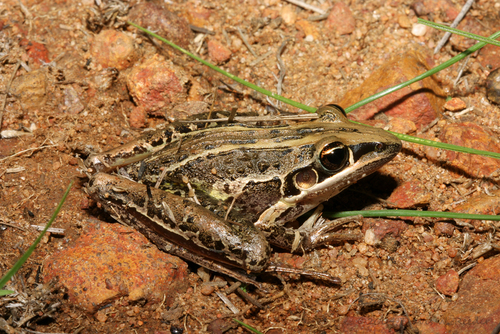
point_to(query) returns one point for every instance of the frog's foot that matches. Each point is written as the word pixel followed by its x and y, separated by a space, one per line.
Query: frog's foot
pixel 317 231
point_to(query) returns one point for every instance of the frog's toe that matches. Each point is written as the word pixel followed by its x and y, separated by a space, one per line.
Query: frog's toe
pixel 321 232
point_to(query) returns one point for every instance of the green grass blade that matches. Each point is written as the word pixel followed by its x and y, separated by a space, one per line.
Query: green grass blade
pixel 5 292
pixel 458 32
pixel 30 250
pixel 247 326
pixel 229 75
pixel 422 76
pixel 410 213
pixel 445 146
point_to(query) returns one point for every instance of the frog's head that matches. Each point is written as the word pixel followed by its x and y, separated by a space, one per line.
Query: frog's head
pixel 338 155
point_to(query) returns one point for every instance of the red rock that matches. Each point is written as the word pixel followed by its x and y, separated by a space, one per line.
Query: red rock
pixel 101 317
pixel 165 23
pixel 474 136
pixel 445 229
pixel 289 260
pixel 156 84
pixel 218 52
pixel 489 56
pixel 429 327
pixel 477 309
pixel 30 89
pixel 447 9
pixel 402 125
pixel 111 48
pixel 397 322
pixel 447 284
pixel 110 261
pixel 341 19
pixel 137 118
pixel 187 109
pixel 37 52
pixel 198 15
pixel 482 205
pixel 363 325
pixel 420 102
pixel 409 194
pixel 380 228
pixel 455 104
pixel 207 290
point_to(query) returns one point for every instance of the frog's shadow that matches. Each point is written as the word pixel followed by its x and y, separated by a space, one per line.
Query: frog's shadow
pixel 365 192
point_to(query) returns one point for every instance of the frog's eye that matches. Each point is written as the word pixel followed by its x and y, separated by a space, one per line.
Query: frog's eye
pixel 334 156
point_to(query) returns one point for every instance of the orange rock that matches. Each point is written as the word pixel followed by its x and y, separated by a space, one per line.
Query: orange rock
pixel 404 21
pixel 482 205
pixel 474 136
pixel 402 125
pixel 409 194
pixel 477 309
pixel 156 84
pixel 446 7
pixel 307 28
pixel 341 19
pixel 31 89
pixel 165 23
pixel 419 102
pixel 445 229
pixel 455 104
pixel 198 15
pixel 288 15
pixel 37 52
pixel 447 284
pixel 137 118
pixel 489 56
pixel 218 52
pixel 111 48
pixel 110 261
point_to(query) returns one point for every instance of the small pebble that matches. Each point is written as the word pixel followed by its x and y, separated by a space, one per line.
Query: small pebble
pixel 418 29
pixel 288 15
pixel 455 104
pixel 403 21
pixel 207 290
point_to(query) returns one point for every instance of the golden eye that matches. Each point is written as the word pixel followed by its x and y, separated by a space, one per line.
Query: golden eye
pixel 334 156
pixel 306 178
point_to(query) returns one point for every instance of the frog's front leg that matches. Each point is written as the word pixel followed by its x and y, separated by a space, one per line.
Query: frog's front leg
pixel 163 216
pixel 315 232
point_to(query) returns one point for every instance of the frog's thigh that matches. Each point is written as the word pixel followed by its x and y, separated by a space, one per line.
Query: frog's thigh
pixel 161 215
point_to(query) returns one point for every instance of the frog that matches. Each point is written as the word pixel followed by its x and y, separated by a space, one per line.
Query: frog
pixel 222 195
